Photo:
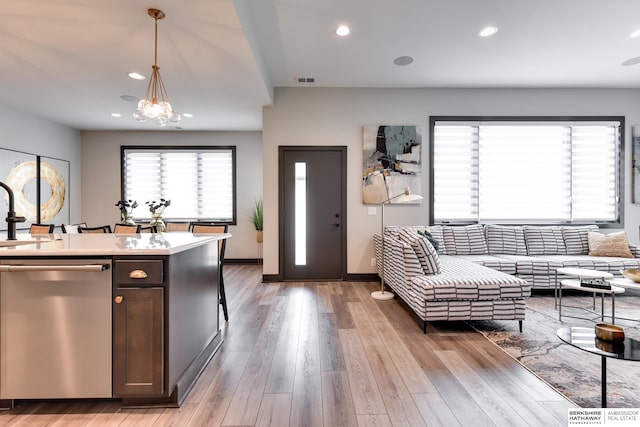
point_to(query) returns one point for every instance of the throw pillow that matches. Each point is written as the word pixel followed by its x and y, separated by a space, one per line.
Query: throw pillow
pixel 430 238
pixel 614 244
pixel 426 253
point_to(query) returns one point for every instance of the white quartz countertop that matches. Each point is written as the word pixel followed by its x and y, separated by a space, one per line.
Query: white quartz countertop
pixel 105 244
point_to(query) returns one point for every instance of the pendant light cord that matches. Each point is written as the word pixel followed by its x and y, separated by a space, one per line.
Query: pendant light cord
pixel 155 57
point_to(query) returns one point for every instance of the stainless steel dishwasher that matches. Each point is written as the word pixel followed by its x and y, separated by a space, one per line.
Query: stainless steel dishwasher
pixel 55 328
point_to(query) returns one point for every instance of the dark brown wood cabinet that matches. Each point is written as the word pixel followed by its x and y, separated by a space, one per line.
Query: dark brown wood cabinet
pixel 165 324
pixel 138 340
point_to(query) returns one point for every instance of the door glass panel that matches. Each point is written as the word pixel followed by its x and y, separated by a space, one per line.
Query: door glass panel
pixel 300 213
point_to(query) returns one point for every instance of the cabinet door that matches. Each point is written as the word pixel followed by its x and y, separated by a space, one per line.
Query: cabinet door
pixel 138 347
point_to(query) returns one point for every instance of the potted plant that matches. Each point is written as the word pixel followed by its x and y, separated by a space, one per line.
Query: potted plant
pixel 157 208
pixel 256 219
pixel 126 211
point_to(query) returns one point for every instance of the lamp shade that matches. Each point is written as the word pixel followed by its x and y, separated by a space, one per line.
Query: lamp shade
pixel 405 198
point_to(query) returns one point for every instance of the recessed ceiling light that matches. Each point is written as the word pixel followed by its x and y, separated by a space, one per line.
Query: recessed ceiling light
pixel 115 114
pixel 488 31
pixel 631 61
pixel 343 30
pixel 635 34
pixel 187 115
pixel 403 60
pixel 136 76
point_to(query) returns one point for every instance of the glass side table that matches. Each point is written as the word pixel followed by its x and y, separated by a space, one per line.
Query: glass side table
pixel 575 284
pixel 585 339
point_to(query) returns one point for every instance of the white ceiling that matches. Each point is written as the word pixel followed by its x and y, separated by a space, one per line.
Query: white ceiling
pixel 67 60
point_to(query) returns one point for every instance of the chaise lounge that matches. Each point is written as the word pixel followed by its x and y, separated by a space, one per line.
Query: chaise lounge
pixel 485 272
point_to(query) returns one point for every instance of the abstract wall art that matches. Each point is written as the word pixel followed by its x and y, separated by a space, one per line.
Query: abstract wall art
pixel 392 161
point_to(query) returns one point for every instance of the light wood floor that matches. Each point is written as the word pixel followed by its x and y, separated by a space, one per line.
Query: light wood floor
pixel 327 354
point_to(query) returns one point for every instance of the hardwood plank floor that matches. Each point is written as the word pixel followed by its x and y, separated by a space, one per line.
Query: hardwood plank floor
pixel 327 354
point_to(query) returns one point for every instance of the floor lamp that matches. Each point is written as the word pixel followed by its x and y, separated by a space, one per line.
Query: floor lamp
pixel 403 198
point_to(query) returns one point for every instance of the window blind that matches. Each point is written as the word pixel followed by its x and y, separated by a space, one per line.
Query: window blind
pixel 199 183
pixel 526 172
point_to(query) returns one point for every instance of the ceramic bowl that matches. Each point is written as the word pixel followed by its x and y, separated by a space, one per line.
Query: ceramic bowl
pixel 632 274
pixel 608 332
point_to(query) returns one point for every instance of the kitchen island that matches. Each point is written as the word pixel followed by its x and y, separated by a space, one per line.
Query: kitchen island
pixel 133 318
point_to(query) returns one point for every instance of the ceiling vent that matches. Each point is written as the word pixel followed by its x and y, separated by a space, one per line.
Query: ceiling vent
pixel 305 79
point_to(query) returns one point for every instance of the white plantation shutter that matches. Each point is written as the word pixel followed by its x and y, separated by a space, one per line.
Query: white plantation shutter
pixel 216 183
pixel 199 182
pixel 595 160
pixel 526 172
pixel 455 169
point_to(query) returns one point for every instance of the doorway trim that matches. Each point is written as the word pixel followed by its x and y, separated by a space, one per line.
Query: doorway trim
pixel 281 208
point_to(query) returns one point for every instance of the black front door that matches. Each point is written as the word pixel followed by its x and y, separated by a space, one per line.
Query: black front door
pixel 312 213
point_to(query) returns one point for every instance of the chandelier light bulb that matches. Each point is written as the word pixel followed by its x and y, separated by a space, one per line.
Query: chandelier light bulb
pixel 139 117
pixel 175 118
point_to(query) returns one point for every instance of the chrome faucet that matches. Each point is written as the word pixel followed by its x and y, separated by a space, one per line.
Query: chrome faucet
pixel 11 219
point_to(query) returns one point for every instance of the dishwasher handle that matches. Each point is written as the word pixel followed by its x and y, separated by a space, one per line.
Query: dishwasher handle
pixel 86 267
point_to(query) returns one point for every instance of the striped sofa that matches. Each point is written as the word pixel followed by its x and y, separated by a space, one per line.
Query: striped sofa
pixel 485 271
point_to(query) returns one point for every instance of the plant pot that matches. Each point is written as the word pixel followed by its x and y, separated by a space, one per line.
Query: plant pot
pixel 259 236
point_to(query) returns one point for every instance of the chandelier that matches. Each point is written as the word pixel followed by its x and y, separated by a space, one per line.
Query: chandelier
pixel 155 105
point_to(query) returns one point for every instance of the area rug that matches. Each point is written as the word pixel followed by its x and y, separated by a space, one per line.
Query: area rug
pixel 571 371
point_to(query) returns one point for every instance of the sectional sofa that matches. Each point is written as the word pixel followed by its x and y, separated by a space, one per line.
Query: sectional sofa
pixel 485 272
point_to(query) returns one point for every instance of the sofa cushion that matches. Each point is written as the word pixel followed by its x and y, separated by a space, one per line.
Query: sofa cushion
pixel 614 244
pixel 463 280
pixel 505 239
pixel 464 240
pixel 608 264
pixel 495 262
pixel 544 240
pixel 436 233
pixel 426 253
pixel 537 266
pixel 393 230
pixel 576 238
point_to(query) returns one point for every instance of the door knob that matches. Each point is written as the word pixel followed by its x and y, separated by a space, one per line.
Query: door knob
pixel 119 299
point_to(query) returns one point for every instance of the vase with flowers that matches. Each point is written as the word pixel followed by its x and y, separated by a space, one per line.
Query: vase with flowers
pixel 126 211
pixel 157 208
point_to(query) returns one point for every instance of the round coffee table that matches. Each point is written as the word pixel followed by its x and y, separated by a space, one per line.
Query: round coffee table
pixel 585 339
pixel 575 284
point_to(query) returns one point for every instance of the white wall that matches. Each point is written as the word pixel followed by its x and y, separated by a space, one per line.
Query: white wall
pixel 101 176
pixel 34 135
pixel 317 116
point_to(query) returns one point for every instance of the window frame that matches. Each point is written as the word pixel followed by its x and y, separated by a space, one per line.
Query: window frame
pixel 190 148
pixel 619 164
